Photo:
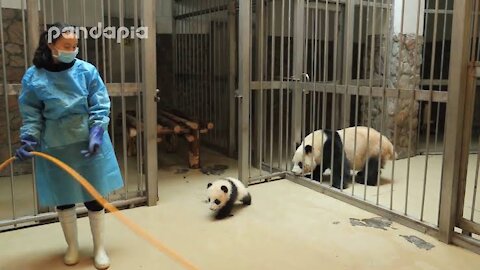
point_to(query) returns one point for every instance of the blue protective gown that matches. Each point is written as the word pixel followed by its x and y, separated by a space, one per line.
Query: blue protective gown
pixel 58 109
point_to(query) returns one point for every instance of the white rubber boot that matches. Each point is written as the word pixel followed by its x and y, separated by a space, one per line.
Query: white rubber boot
pixel 68 220
pixel 97 222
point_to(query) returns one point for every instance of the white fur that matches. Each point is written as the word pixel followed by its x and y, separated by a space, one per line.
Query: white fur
pixel 214 192
pixel 358 158
pixel 309 161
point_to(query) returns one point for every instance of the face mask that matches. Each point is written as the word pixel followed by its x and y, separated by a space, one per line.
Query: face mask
pixel 66 56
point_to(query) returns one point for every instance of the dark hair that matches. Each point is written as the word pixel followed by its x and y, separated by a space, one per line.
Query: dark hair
pixel 43 55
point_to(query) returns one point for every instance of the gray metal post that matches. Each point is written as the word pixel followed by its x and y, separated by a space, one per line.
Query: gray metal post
pixel 258 95
pixel 232 43
pixel 33 27
pixel 149 72
pixel 244 48
pixel 454 118
pixel 348 55
pixel 298 47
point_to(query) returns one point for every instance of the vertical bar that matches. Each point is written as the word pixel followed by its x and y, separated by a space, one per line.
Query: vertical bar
pixel 26 52
pixel 298 39
pixel 429 108
pixel 258 101
pixel 454 118
pixel 411 116
pixel 468 112
pixel 32 29
pixel 282 44
pixel 475 185
pixel 244 31
pixel 348 61
pixel 95 3
pixel 272 91
pixel 175 45
pixel 232 43
pixel 288 117
pixel 84 35
pixel 149 73
pixel 65 10
pixel 110 70
pixel 7 115
pixel 445 16
pixel 139 102
pixel 397 98
pixel 121 11
pixel 44 10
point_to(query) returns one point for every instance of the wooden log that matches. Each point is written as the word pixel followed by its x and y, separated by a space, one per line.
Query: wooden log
pixel 188 123
pixel 132 121
pixel 194 151
pixel 202 124
pixel 132 142
pixel 171 124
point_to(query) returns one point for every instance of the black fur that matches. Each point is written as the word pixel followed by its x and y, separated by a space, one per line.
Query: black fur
pixel 336 165
pixel 247 200
pixel 227 208
pixel 308 149
pixel 372 176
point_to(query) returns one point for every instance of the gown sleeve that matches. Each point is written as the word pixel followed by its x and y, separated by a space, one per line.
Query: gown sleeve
pixel 31 108
pixel 98 101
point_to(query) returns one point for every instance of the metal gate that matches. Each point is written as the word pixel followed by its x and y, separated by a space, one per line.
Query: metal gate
pixel 388 65
pixel 127 66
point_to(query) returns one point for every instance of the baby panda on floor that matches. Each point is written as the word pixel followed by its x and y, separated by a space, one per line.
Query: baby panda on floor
pixel 316 149
pixel 223 193
pixel 307 158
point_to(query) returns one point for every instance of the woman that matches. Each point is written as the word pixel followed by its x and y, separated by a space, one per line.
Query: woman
pixel 65 109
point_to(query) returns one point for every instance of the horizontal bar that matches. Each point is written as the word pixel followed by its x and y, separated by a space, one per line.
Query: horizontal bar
pixel 392 215
pixel 201 12
pixel 114 89
pixel 423 95
pixel 466 242
pixel 266 178
pixel 53 215
pixel 440 11
pixel 469 226
pixel 434 82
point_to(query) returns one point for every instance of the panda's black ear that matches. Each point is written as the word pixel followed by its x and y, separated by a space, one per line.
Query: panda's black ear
pixel 225 189
pixel 209 185
pixel 308 149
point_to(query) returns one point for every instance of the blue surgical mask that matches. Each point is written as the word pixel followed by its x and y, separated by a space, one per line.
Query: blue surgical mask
pixel 66 56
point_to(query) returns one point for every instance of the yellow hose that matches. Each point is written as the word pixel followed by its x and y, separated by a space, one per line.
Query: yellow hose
pixel 119 215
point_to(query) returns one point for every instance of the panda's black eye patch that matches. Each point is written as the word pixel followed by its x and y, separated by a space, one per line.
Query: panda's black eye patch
pixel 300 164
pixel 217 202
pixel 208 199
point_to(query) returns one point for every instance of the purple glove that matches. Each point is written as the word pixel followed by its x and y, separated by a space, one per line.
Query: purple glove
pixel 28 144
pixel 96 136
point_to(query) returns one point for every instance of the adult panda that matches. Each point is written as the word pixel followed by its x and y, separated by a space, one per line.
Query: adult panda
pixel 371 147
pixel 316 148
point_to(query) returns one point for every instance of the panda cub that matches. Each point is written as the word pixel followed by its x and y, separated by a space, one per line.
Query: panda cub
pixel 223 193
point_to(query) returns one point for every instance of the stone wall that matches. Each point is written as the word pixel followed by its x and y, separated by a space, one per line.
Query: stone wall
pixel 400 115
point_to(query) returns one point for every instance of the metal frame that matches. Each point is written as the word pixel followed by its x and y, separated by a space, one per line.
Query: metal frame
pixel 143 90
pixel 148 11
pixel 459 114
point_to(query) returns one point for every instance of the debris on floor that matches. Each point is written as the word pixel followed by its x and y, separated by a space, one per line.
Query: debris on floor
pixel 376 222
pixel 420 243
pixel 217 169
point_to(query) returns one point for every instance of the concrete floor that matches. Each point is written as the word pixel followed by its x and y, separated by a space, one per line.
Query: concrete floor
pixel 286 227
